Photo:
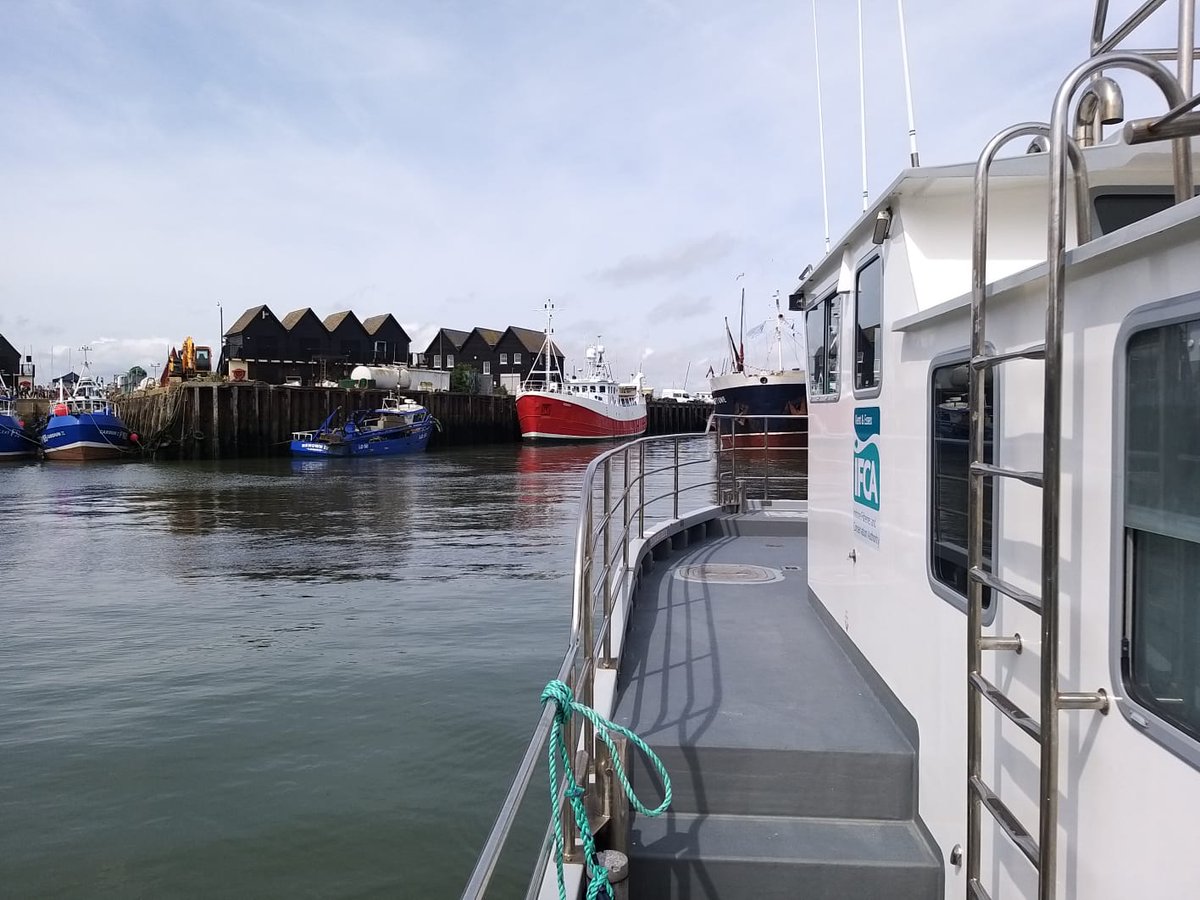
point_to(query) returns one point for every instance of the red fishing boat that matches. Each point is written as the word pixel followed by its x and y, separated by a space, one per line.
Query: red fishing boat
pixel 578 407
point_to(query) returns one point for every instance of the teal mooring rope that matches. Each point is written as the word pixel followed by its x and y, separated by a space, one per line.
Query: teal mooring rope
pixel 565 701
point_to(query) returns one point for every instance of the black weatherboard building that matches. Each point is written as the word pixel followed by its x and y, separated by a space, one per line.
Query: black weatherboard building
pixel 444 350
pixel 10 362
pixel 479 351
pixel 389 340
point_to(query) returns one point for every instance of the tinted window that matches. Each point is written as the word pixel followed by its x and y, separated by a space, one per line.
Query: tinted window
pixel 1118 210
pixel 822 323
pixel 868 319
pixel 1161 645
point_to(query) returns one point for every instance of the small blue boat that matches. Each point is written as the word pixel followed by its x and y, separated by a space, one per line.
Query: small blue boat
pixel 399 426
pixel 14 442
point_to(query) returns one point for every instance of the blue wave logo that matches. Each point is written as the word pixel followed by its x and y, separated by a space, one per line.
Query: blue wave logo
pixel 866 457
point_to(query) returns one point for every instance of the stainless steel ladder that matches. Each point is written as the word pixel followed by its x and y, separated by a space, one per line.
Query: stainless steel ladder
pixel 1042 851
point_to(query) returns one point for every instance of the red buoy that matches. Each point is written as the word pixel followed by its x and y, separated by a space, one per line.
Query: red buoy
pixel 133 436
pixel 60 409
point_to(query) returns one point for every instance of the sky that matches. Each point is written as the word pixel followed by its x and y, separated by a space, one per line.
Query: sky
pixel 164 164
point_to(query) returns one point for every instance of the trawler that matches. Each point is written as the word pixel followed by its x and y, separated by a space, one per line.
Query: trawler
pixel 967 662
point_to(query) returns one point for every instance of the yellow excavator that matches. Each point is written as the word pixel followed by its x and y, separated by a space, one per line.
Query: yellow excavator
pixel 188 363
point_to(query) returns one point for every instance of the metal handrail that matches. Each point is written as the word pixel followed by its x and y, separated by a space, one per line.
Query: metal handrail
pixel 597 564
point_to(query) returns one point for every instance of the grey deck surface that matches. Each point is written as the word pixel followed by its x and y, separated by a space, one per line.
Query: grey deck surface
pixel 790 777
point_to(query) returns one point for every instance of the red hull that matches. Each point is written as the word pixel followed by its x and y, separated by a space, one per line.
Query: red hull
pixel 546 417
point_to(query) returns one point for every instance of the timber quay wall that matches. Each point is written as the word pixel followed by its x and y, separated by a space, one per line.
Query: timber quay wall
pixel 240 420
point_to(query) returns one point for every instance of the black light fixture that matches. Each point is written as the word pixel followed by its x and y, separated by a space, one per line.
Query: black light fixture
pixel 883 224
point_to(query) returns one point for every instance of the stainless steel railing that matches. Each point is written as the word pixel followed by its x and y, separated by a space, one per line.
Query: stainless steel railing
pixel 624 490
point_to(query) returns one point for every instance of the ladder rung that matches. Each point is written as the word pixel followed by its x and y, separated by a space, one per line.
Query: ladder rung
pixel 1003 815
pixel 1001 642
pixel 986 469
pixel 975 890
pixel 990 360
pixel 987 579
pixel 1001 701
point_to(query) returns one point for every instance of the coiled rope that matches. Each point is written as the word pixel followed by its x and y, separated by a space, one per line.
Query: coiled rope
pixel 560 694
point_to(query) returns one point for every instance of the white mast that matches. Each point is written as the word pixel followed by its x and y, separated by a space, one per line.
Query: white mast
pixel 862 107
pixel 914 158
pixel 546 346
pixel 821 128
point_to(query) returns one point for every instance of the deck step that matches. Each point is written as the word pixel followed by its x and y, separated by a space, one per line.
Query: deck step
pixel 770 857
pixel 824 783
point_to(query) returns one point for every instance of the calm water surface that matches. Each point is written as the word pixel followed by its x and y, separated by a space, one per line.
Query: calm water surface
pixel 275 678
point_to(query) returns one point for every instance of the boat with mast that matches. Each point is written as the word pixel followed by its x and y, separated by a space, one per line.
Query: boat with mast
pixel 578 407
pixel 84 426
pixel 768 404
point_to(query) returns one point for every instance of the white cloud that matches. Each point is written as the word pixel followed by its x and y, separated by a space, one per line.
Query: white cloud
pixel 458 165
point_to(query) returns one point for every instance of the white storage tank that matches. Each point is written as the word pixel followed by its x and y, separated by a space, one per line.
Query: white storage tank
pixel 387 378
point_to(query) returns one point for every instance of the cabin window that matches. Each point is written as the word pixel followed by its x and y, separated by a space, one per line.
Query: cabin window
pixel 437 360
pixel 821 324
pixel 868 328
pixel 487 368
pixel 504 359
pixel 449 360
pixel 950 459
pixel 1117 210
pixel 1160 647
pixel 516 359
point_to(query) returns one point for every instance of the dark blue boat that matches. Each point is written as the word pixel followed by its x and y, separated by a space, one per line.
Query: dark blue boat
pixel 14 442
pixel 399 426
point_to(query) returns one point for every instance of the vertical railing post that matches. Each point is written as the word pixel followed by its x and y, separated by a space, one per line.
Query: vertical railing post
pixel 625 516
pixel 766 456
pixel 676 480
pixel 606 659
pixel 733 479
pixel 641 491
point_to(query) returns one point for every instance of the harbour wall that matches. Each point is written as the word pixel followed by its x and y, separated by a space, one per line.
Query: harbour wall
pixel 228 421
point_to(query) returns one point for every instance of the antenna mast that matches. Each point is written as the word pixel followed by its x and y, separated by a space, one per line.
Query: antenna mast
pixel 862 107
pixel 914 158
pixel 821 128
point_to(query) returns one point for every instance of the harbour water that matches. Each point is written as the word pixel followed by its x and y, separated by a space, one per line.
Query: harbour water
pixel 276 678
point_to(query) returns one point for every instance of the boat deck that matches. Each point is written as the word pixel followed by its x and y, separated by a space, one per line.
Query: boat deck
pixel 791 776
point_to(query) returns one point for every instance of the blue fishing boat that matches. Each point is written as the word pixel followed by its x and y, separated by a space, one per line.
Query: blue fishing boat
pixel 14 442
pixel 399 426
pixel 84 426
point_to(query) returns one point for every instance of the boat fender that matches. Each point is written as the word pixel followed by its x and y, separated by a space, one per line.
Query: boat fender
pixel 133 436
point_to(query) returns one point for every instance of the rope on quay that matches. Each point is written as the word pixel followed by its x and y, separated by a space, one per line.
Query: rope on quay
pixel 558 692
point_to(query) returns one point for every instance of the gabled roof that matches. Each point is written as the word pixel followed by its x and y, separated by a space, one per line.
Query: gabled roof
pixel 374 323
pixel 246 318
pixel 334 321
pixel 293 318
pixel 6 348
pixel 455 337
pixel 532 340
pixel 490 336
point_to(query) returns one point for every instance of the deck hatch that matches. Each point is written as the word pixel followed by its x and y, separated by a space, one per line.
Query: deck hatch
pixel 728 573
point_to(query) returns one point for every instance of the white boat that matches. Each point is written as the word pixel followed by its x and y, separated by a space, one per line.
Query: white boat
pixel 1001 537
pixel 581 406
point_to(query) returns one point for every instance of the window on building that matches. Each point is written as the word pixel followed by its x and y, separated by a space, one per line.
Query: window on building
pixel 487 367
pixel 437 360
pixel 821 324
pixel 381 350
pixel 449 360
pixel 868 327
pixel 1161 631
pixel 516 359
pixel 951 458
pixel 504 359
